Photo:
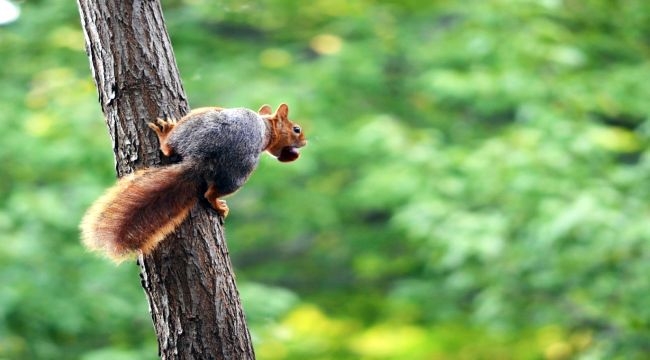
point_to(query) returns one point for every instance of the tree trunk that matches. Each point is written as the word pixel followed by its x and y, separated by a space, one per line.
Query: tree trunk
pixel 188 279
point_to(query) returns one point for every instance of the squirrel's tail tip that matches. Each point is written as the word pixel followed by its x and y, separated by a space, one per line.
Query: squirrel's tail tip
pixel 93 241
pixel 96 236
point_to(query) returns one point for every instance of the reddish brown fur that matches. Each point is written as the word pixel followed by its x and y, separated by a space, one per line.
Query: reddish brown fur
pixel 282 136
pixel 162 128
pixel 213 195
pixel 128 217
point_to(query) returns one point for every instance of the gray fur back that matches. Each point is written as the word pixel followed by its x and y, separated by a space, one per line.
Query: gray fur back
pixel 225 144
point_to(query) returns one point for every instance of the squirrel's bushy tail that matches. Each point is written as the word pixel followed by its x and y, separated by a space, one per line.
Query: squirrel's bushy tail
pixel 139 211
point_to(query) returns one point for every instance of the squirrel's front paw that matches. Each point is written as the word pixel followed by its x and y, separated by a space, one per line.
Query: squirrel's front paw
pixel 162 127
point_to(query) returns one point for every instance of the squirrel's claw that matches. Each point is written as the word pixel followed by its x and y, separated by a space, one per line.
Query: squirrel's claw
pixel 222 208
pixel 162 127
pixel 219 205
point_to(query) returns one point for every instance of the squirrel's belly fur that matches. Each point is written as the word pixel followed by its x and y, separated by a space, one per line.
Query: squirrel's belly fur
pixel 139 211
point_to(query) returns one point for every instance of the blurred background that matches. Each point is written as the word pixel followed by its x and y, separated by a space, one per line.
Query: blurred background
pixel 475 186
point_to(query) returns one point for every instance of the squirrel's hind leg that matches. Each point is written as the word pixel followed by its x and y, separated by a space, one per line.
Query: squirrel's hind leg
pixel 163 128
pixel 212 195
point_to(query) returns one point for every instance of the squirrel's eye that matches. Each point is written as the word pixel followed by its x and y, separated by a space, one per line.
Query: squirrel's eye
pixel 296 129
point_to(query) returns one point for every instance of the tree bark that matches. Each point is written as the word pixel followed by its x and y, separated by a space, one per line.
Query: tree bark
pixel 188 279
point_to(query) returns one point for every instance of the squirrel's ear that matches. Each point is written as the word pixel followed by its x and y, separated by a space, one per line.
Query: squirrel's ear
pixel 283 111
pixel 265 110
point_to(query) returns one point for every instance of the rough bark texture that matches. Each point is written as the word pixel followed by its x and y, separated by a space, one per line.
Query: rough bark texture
pixel 188 279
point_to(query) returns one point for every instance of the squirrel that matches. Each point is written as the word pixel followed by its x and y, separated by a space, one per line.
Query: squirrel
pixel 219 149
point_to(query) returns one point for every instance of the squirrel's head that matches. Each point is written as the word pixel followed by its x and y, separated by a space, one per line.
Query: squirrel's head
pixel 285 137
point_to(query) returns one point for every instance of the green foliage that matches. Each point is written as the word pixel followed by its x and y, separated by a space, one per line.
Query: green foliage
pixel 473 187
